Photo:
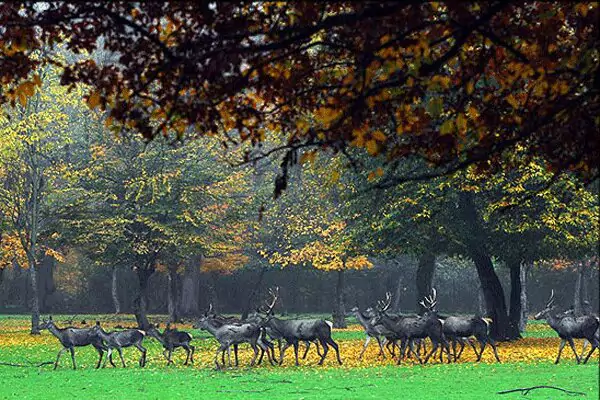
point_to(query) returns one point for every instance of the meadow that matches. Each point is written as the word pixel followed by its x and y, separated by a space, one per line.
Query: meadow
pixel 525 363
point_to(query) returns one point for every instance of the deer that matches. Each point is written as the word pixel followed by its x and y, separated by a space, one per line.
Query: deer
pixel 461 329
pixel 379 332
pixel 569 328
pixel 409 328
pixel 120 339
pixel 295 330
pixel 586 311
pixel 230 334
pixel 262 342
pixel 171 339
pixel 71 337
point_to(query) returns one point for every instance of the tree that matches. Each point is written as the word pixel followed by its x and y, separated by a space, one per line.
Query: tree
pixel 33 156
pixel 315 230
pixel 459 83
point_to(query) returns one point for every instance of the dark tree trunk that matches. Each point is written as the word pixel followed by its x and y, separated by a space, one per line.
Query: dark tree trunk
pixel 425 272
pixel 577 303
pixel 524 303
pixel 46 284
pixel 114 290
pixel 254 293
pixel 339 316
pixel 481 301
pixel 399 292
pixel 190 290
pixel 1 275
pixel 141 300
pixel 172 295
pixel 35 305
pixel 515 295
pixel 493 292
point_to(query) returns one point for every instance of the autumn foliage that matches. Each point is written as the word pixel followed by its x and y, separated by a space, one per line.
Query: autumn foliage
pixel 454 83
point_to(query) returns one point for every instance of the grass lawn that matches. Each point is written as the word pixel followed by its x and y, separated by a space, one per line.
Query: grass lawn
pixel 526 363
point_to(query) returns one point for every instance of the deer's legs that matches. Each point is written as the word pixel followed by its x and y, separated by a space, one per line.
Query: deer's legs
pixel 58 356
pixel 367 340
pixel 282 351
pixel 187 351
pixel 570 340
pixel 100 352
pixel 221 350
pixel 560 349
pixel 594 344
pixel 255 349
pixel 493 344
pixel 475 348
pixel 381 341
pixel 306 350
pixel 585 343
pixel 402 351
pixel 193 350
pixel 393 350
pixel 296 344
pixel 336 348
pixel 411 349
pixel 72 350
pixel 142 349
pixel 169 355
pixel 120 351
pixel 235 354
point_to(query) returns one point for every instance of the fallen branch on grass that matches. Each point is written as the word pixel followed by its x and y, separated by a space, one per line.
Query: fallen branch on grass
pixel 31 364
pixel 525 391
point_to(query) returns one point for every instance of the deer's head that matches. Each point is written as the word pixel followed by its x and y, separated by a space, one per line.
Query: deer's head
pixel 46 324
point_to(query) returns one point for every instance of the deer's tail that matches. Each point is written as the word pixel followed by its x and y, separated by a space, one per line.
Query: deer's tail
pixel 487 321
pixel 329 323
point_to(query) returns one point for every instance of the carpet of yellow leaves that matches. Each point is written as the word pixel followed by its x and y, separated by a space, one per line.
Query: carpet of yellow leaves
pixel 528 350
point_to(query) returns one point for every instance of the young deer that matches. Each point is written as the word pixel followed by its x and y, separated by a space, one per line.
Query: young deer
pixel 570 327
pixel 378 332
pixel 74 337
pixel 172 339
pixel 120 339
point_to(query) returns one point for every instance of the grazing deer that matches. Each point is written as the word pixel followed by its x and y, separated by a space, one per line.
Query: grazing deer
pixel 120 339
pixel 231 334
pixel 172 339
pixel 74 337
pixel 296 330
pixel 379 332
pixel 410 328
pixel 569 328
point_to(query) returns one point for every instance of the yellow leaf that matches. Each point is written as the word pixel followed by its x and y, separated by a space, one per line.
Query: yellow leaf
pixel 461 123
pixel 37 80
pixel 379 136
pixel 447 127
pixel 371 146
pixel 470 87
pixel 93 100
pixel 512 100
pixel 308 156
pixel 472 113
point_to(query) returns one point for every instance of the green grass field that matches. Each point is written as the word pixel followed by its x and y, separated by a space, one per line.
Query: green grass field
pixel 370 378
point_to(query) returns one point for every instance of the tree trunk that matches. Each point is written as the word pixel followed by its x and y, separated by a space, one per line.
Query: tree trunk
pixel 35 305
pixel 524 305
pixel 46 285
pixel 585 300
pixel 425 272
pixel 339 316
pixel 577 306
pixel 481 301
pixel 172 296
pixel 190 292
pixel 515 294
pixel 141 300
pixel 399 292
pixel 114 289
pixel 495 302
pixel 254 293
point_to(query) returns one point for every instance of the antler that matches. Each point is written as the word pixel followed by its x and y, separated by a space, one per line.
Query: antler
pixel 430 300
pixel 275 295
pixel 551 300
pixel 382 306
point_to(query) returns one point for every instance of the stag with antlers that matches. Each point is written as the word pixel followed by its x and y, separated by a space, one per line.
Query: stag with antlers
pixel 570 327
pixel 295 330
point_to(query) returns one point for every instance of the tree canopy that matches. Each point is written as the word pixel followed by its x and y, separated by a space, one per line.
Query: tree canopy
pixel 454 83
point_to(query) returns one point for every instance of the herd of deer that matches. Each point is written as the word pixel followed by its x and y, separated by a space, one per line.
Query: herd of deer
pixel 445 333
